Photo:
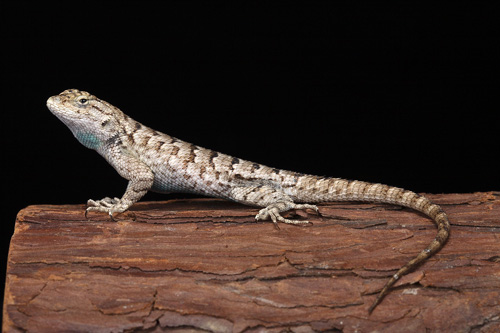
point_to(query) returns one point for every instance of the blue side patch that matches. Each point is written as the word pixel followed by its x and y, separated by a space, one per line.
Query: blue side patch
pixel 89 140
pixel 160 187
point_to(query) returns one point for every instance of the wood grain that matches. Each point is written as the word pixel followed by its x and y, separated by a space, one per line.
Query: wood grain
pixel 206 265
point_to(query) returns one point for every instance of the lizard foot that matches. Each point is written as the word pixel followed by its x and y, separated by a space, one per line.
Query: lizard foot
pixel 273 211
pixel 107 205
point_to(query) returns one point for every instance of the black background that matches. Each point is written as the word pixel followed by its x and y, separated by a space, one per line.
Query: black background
pixel 402 93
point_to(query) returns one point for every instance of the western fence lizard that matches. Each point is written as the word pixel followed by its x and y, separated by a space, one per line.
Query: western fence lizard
pixel 153 161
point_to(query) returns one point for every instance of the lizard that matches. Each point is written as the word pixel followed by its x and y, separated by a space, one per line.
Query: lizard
pixel 154 161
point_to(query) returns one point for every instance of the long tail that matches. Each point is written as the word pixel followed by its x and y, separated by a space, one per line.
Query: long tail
pixel 336 189
pixel 424 205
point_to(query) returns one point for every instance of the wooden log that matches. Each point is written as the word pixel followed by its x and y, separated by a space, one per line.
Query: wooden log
pixel 207 265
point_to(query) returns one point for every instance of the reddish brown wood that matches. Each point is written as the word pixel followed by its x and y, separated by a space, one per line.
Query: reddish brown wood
pixel 206 265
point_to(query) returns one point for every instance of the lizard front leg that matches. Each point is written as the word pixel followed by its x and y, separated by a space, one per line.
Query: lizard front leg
pixel 140 179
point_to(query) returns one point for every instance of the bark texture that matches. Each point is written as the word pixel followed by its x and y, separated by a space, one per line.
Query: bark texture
pixel 206 265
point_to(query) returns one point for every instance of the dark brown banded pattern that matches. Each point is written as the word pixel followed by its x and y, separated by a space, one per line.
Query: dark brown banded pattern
pixel 192 154
pixel 212 155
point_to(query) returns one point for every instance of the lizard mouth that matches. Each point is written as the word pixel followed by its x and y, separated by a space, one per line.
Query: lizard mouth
pixel 52 103
pixel 66 115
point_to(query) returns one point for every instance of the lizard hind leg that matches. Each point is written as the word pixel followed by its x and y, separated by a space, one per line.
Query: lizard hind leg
pixel 274 201
pixel 273 211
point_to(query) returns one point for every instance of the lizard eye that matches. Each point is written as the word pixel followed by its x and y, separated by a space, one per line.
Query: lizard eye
pixel 82 101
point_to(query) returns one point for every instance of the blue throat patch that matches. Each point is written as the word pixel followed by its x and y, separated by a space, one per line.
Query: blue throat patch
pixel 89 140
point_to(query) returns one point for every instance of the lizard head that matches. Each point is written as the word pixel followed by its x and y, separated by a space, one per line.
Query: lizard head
pixel 92 121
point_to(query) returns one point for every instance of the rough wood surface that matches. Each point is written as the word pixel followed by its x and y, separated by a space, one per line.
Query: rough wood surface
pixel 206 265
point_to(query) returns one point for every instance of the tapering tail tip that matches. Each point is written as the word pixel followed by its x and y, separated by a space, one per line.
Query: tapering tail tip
pixel 372 307
pixel 383 292
pixel 377 301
